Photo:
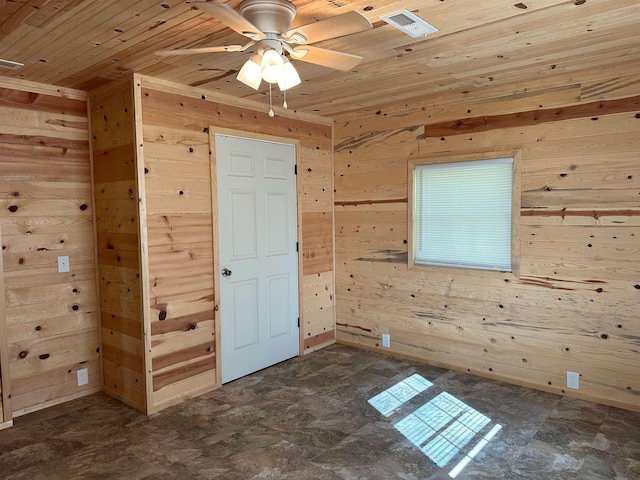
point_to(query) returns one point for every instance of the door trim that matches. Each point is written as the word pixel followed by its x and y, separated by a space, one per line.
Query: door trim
pixel 213 130
pixel 6 414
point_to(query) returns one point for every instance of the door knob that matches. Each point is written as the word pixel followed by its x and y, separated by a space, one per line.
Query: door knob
pixel 226 272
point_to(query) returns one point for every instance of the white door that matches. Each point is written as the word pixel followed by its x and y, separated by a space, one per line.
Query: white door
pixel 257 223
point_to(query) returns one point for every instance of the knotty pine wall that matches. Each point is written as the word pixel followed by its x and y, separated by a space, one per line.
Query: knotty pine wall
pixel 179 213
pixel 46 210
pixel 117 226
pixel 574 305
pixel 156 238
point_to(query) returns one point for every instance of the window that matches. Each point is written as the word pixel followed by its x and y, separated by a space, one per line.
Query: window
pixel 462 214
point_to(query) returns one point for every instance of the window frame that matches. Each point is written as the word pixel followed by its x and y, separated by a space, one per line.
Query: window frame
pixel 516 195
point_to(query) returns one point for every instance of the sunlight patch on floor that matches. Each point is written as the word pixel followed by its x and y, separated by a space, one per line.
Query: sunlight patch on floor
pixel 442 427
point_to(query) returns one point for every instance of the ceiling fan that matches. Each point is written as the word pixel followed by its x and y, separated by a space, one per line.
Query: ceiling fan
pixel 267 23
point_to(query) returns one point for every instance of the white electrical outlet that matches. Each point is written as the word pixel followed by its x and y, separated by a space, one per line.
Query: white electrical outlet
pixel 573 380
pixel 386 340
pixel 83 376
pixel 63 264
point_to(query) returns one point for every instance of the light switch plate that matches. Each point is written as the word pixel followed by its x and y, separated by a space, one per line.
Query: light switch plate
pixel 63 264
pixel 386 340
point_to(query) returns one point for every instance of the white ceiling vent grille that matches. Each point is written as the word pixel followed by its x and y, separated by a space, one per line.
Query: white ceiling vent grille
pixel 10 65
pixel 409 23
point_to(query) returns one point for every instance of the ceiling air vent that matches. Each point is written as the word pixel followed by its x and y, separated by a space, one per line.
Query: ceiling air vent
pixel 10 65
pixel 409 23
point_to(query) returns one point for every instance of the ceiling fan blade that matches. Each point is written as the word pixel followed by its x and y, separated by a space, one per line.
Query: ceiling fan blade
pixel 326 58
pixel 193 51
pixel 332 27
pixel 231 18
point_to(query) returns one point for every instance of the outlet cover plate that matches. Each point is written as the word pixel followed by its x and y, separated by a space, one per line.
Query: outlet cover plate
pixel 573 380
pixel 386 340
pixel 83 376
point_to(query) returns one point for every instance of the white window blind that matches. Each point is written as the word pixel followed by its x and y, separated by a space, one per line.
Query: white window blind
pixel 463 214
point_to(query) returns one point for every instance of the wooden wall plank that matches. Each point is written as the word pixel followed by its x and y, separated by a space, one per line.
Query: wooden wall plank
pixel 6 411
pixel 520 119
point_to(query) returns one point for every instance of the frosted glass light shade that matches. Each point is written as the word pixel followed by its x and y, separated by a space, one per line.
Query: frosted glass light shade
pixel 272 66
pixel 251 74
pixel 290 77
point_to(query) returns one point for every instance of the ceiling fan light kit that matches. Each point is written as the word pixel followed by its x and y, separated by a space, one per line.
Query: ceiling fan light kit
pixel 267 23
pixel 290 77
pixel 272 66
pixel 251 73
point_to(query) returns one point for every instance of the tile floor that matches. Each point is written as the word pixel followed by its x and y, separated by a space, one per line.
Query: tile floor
pixel 309 418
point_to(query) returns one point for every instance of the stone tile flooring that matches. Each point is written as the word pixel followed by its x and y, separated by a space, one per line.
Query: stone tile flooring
pixel 309 418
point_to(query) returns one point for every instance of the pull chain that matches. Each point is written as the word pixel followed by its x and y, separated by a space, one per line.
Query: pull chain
pixel 271 114
pixel 284 105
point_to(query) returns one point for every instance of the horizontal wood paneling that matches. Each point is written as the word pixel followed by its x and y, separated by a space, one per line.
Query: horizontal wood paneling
pixel 46 211
pixel 179 217
pixel 318 315
pixel 118 243
pixel 574 304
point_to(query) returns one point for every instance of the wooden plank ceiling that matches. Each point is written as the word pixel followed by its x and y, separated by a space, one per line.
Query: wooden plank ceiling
pixel 481 45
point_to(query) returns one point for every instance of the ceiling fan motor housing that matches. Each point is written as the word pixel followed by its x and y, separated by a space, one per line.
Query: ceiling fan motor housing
pixel 270 16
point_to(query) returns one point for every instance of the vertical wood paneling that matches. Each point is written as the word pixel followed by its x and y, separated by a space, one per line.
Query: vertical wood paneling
pixel 117 225
pixel 573 305
pixel 45 212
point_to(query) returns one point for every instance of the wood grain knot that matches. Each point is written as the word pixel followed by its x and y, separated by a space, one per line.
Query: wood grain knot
pixel 23 354
pixel 162 315
pixel 44 356
pixel 13 208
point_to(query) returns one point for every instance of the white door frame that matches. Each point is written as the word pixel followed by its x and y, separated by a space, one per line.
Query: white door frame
pixel 216 240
